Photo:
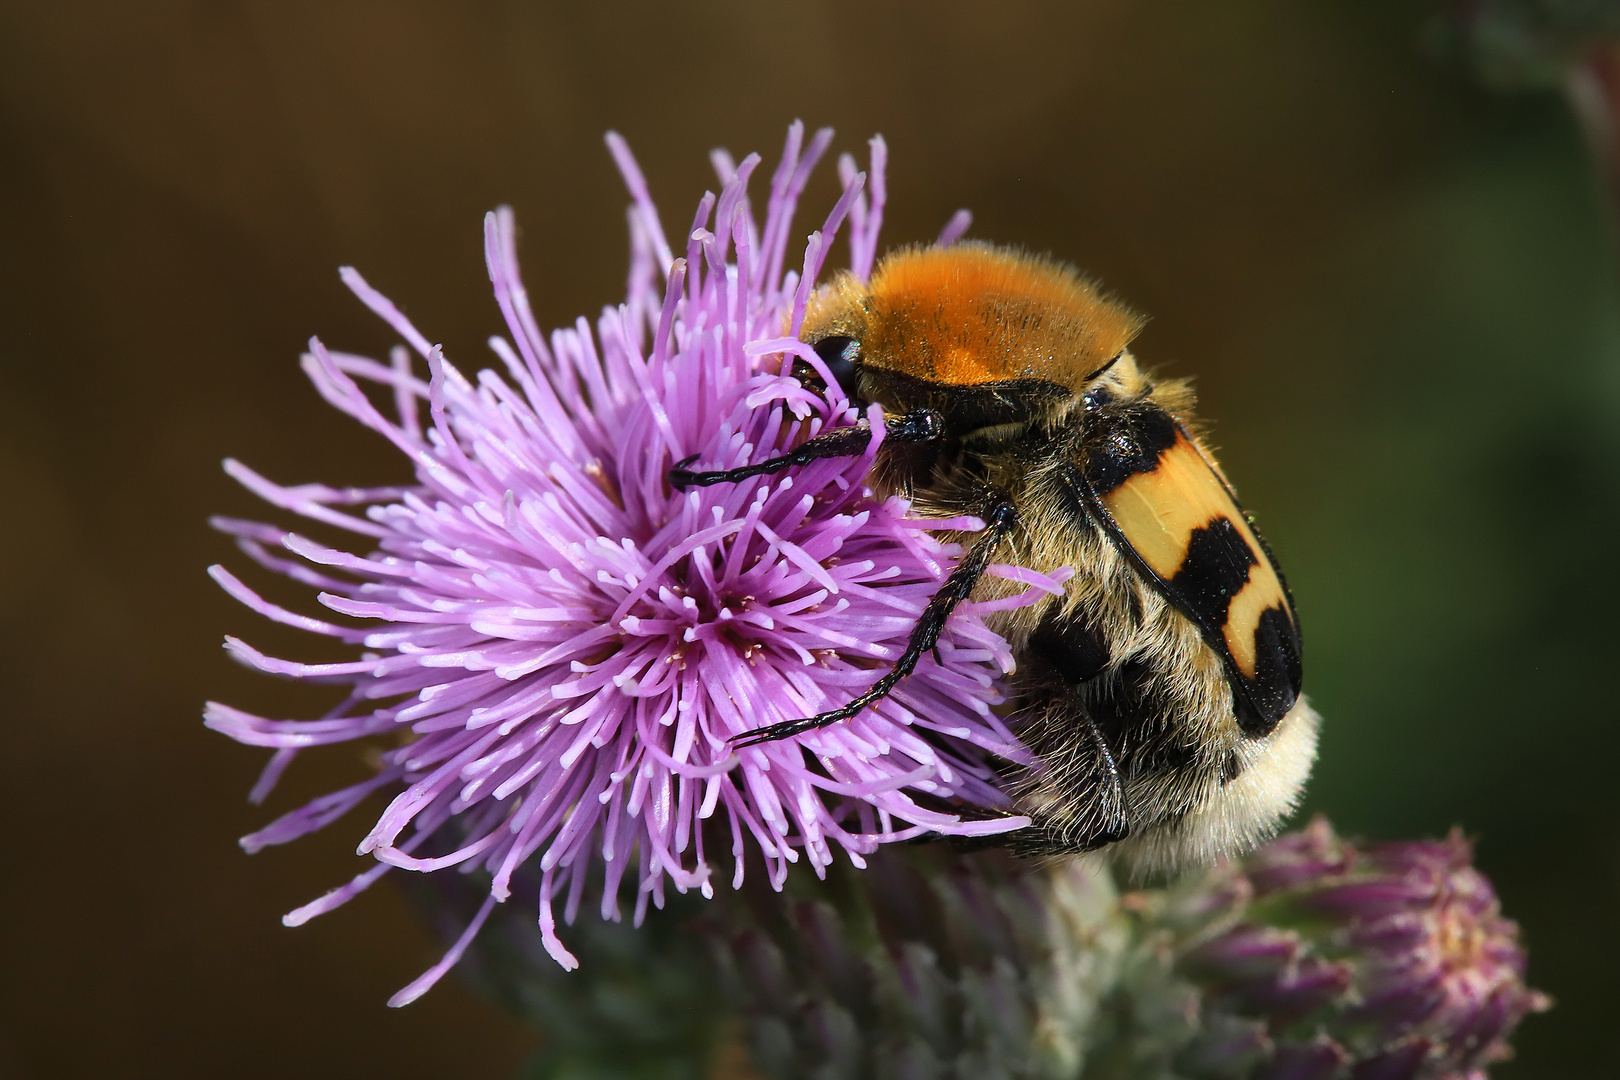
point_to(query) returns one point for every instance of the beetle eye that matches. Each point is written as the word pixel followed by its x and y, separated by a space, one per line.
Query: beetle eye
pixel 840 354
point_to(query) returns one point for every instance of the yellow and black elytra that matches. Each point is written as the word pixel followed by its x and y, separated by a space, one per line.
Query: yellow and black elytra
pixel 1162 692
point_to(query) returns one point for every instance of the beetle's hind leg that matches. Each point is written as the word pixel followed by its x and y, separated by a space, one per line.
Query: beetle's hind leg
pixel 1074 792
pixel 918 426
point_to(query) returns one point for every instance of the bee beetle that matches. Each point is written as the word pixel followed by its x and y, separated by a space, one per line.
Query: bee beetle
pixel 1161 693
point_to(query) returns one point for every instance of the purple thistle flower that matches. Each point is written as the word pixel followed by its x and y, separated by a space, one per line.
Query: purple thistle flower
pixel 1399 949
pixel 567 645
pixel 1289 963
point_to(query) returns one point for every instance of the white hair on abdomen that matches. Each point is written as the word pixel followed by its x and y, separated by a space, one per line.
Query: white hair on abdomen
pixel 1235 816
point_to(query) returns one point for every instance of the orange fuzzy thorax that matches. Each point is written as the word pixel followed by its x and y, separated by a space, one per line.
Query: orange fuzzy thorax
pixel 971 313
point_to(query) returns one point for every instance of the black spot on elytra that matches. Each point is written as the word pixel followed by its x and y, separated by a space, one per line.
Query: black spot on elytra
pixel 1122 445
pixel 1214 570
pixel 1261 702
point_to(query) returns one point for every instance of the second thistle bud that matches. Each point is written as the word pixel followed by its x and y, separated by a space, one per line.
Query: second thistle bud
pixel 1318 958
pixel 1311 959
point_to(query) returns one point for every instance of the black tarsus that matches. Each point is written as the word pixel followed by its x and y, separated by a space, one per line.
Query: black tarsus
pixel 1000 518
pixel 918 426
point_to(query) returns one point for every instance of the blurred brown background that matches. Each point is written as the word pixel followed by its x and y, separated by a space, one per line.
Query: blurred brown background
pixel 1395 289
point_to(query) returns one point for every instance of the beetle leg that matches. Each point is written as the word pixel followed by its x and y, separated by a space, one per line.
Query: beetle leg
pixel 918 426
pixel 1000 520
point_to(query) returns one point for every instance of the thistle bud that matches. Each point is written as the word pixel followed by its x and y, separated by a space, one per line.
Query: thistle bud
pixel 1310 959
pixel 1387 961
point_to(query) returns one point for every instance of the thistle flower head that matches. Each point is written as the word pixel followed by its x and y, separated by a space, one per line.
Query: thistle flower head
pixel 563 647
pixel 1311 959
pixel 1396 956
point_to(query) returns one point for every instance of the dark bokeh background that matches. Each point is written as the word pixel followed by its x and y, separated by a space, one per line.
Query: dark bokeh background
pixel 1395 288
